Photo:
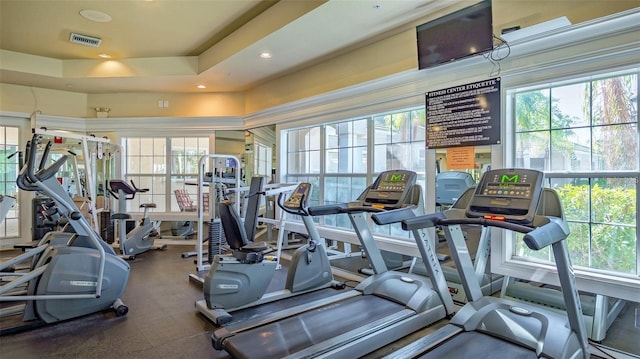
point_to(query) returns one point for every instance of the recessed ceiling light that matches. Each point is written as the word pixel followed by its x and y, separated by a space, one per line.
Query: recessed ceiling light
pixel 105 56
pixel 265 55
pixel 95 15
pixel 201 86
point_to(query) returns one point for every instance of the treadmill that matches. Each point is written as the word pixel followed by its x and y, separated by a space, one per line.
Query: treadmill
pixel 383 308
pixel 487 327
pixel 490 283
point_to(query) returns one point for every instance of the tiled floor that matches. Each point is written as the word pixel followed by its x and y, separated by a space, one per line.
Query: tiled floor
pixel 163 323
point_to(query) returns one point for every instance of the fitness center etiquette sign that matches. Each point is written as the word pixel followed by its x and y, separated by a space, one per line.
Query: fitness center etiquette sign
pixel 465 115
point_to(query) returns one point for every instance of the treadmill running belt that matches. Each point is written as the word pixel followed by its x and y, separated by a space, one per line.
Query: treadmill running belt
pixel 250 313
pixel 473 345
pixel 290 335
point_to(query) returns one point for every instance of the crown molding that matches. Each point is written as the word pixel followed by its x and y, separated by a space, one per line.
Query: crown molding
pixel 164 124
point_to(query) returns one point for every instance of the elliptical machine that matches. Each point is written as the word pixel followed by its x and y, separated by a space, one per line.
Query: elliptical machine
pixel 142 237
pixel 240 280
pixel 65 281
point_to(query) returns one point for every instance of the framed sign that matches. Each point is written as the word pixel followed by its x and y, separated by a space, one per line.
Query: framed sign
pixel 465 115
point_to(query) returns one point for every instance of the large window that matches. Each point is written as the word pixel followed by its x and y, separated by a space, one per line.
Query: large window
pixel 162 165
pixel 584 135
pixel 345 156
pixel 185 155
pixel 146 166
pixel 399 143
pixel 345 170
pixel 263 160
pixel 9 161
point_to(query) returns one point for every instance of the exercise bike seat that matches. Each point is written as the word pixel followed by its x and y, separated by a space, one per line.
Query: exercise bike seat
pixel 243 248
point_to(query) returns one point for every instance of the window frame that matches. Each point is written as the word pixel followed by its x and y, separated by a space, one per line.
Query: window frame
pixel 589 279
pixel 366 176
pixel 15 213
pixel 169 202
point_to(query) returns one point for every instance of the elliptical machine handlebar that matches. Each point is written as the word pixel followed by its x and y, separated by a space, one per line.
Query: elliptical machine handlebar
pixel 45 156
pixel 30 180
pixel 22 180
pixel 28 177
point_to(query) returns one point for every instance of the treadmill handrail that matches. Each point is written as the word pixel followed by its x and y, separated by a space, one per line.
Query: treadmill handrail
pixel 553 231
pixel 344 208
pixel 326 209
pixel 393 216
pixel 360 208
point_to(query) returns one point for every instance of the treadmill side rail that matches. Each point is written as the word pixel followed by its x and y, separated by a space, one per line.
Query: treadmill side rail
pixel 425 343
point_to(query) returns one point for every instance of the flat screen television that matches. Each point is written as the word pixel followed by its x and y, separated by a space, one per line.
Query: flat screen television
pixel 463 33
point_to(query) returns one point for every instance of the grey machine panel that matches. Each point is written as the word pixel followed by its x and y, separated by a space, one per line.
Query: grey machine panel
pixel 384 307
pixel 283 338
pixel 510 199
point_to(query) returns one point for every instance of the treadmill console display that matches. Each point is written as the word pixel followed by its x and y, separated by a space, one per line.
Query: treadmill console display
pixel 299 197
pixel 508 185
pixel 507 194
pixel 390 189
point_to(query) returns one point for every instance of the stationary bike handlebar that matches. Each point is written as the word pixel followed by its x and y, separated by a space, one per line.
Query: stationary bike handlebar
pixel 300 211
pixel 116 185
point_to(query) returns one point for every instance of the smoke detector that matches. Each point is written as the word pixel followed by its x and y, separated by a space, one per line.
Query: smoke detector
pixel 85 40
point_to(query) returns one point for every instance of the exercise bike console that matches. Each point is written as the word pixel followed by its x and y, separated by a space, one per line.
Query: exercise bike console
pixel 297 202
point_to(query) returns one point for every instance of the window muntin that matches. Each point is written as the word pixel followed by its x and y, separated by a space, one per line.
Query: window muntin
pixel 185 155
pixel 303 150
pixel 399 143
pixel 348 157
pixel 585 136
pixel 346 147
pixel 146 164
pixel 262 160
pixel 147 161
pixel 9 145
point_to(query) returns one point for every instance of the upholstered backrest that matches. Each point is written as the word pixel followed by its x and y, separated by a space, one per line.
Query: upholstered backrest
pixel 232 225
pixel 256 191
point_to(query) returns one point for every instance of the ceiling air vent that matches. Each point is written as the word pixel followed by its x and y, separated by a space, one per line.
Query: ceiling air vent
pixel 85 40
